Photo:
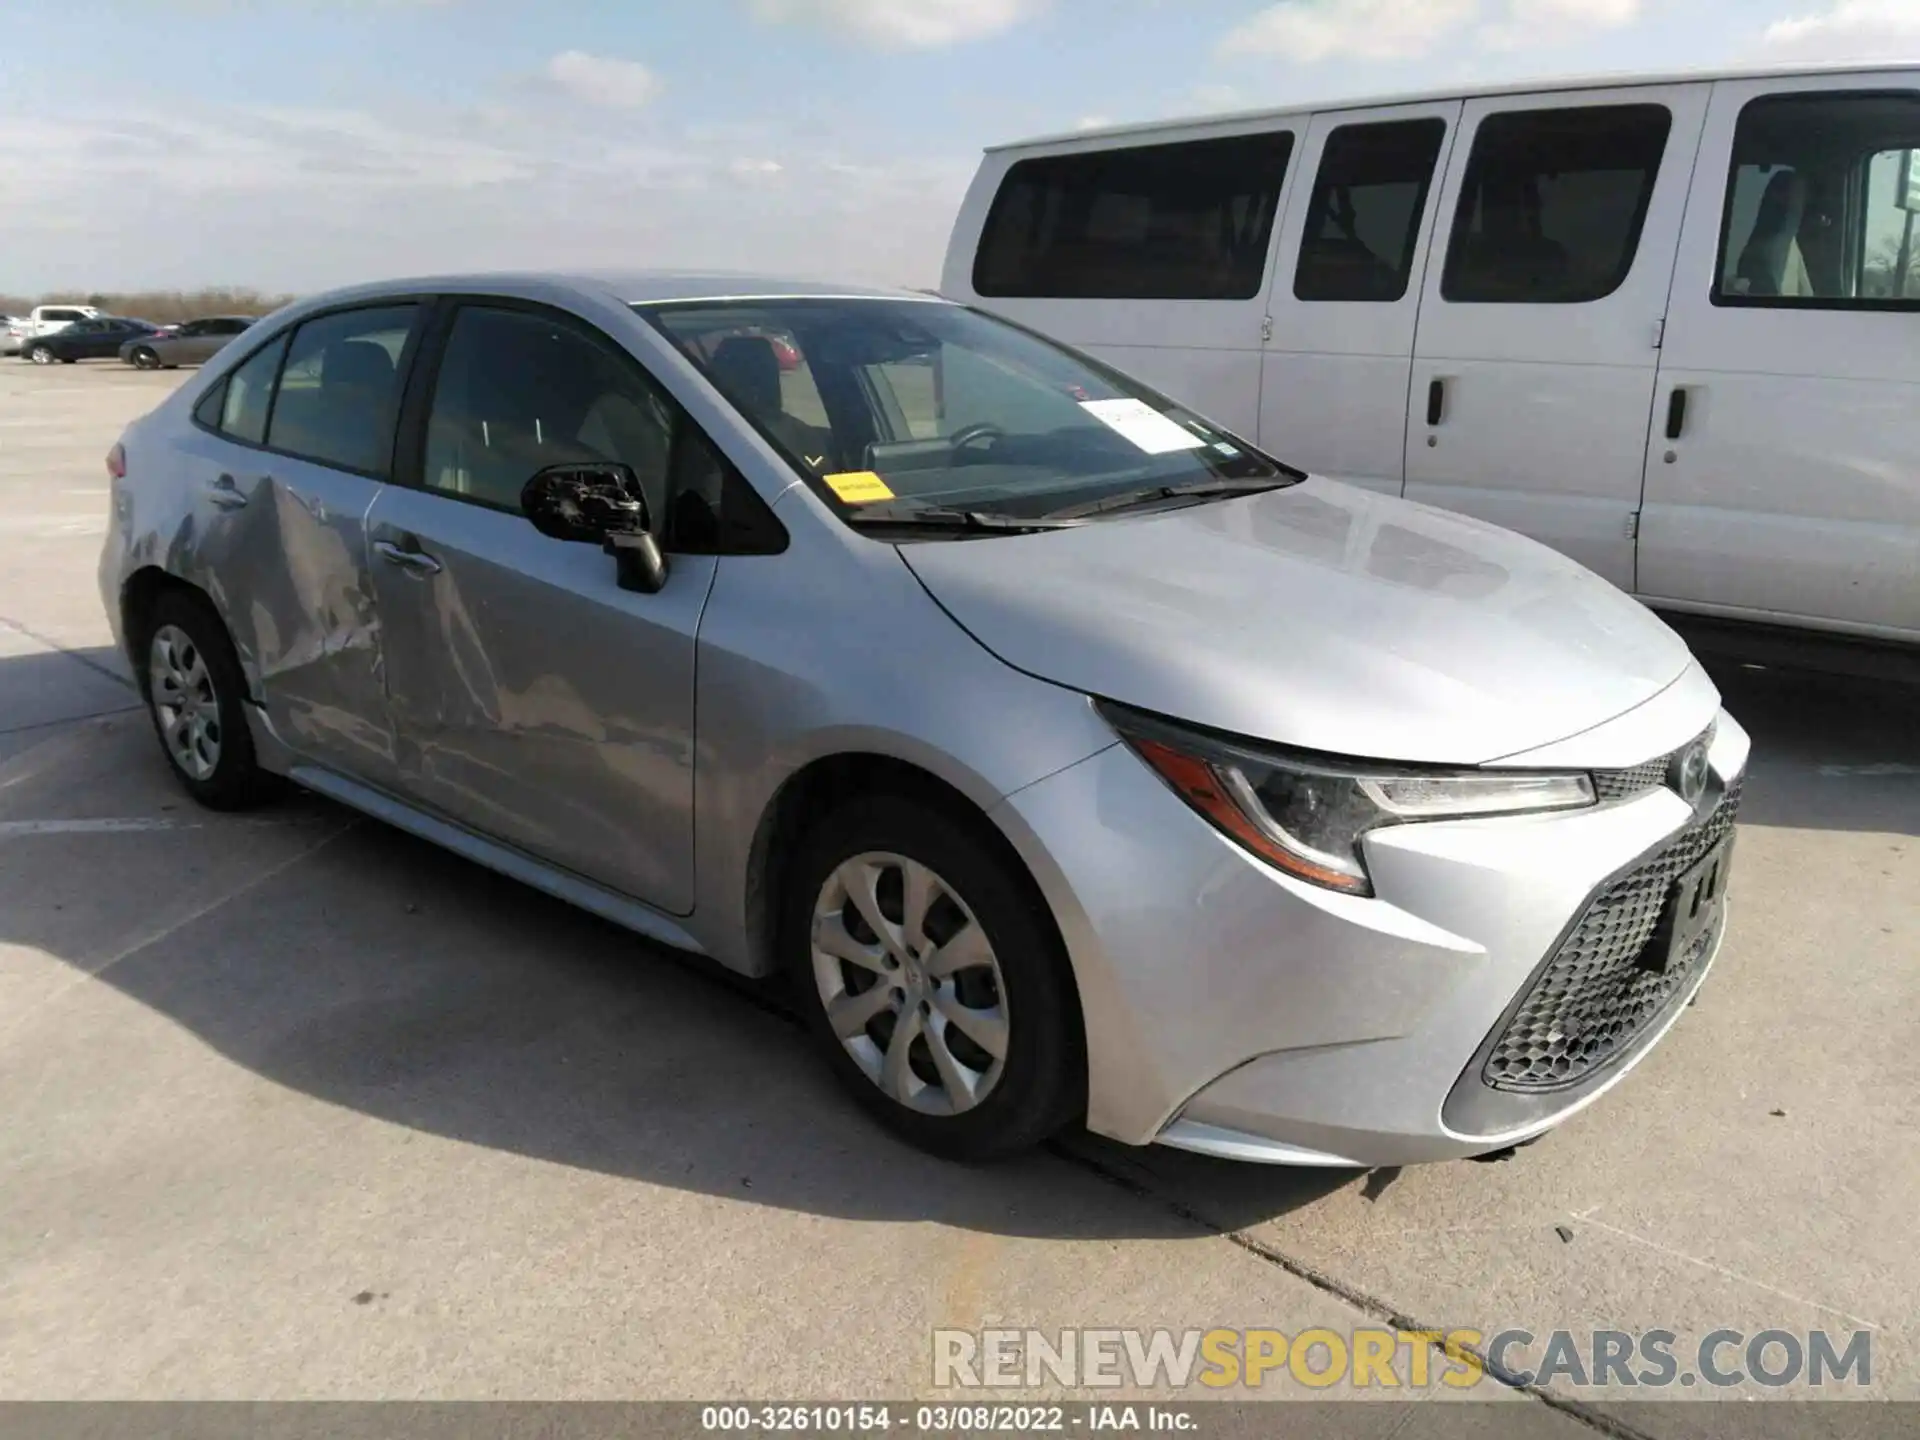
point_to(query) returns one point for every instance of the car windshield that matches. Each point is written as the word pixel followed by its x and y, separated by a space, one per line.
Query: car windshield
pixel 900 411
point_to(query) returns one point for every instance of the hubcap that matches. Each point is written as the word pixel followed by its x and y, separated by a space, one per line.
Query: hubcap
pixel 910 983
pixel 185 702
pixel 42 356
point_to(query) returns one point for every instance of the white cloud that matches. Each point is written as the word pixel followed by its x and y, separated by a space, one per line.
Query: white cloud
pixel 1847 30
pixel 1303 30
pixel 1531 24
pixel 602 79
pixel 905 24
pixel 292 199
pixel 1093 122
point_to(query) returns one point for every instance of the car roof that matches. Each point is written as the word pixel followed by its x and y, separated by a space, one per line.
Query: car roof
pixel 1544 85
pixel 633 287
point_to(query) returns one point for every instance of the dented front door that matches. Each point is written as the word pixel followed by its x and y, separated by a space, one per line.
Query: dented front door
pixel 287 540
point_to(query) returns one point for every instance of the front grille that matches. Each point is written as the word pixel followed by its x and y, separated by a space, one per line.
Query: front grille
pixel 1593 997
pixel 1610 786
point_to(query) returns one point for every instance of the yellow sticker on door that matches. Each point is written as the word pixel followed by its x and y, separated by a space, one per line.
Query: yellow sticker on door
pixel 859 487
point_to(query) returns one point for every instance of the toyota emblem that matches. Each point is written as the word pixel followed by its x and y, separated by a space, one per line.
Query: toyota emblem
pixel 1689 775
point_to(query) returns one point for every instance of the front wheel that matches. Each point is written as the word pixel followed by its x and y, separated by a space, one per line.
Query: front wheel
pixel 145 359
pixel 40 355
pixel 933 981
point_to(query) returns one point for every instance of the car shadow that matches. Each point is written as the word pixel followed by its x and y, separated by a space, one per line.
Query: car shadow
pixel 383 975
pixel 1830 752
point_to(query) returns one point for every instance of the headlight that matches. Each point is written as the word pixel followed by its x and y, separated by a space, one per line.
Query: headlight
pixel 1306 815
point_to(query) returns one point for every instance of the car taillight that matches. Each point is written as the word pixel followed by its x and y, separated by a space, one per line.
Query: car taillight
pixel 117 462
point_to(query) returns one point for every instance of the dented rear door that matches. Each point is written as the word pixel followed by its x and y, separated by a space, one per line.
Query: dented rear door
pixel 292 560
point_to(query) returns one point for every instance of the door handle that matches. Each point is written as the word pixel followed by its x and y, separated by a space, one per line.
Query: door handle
pixel 225 494
pixel 1676 414
pixel 407 558
pixel 1436 401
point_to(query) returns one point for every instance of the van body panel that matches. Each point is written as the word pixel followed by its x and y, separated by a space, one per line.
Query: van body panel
pixel 1793 491
pixel 1544 408
pixel 1333 387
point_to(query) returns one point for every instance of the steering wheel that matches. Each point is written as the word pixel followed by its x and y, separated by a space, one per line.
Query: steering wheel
pixel 981 432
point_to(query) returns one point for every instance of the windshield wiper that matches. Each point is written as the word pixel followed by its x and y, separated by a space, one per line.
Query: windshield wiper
pixel 936 518
pixel 1153 494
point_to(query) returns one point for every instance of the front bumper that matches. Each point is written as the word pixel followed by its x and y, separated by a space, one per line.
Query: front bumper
pixel 1233 1010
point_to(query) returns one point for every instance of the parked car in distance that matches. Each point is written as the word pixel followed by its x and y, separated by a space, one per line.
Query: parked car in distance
pixel 1075 758
pixel 191 342
pixel 13 330
pixel 98 338
pixel 51 319
pixel 1670 326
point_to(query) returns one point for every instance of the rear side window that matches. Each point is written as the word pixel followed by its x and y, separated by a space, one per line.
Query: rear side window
pixel 248 395
pixel 1823 203
pixel 1554 203
pixel 1189 221
pixel 340 390
pixel 1363 223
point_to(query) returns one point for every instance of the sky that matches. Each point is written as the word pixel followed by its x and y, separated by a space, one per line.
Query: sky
pixel 291 145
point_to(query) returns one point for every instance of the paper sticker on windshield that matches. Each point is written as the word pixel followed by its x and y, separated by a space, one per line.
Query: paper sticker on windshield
pixel 1145 426
pixel 859 487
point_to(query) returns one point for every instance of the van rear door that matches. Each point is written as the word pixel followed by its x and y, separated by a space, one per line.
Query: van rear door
pixel 1538 338
pixel 1781 478
pixel 1151 253
pixel 1345 293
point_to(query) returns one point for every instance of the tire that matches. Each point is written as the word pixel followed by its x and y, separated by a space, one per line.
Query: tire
pixel 195 694
pixel 40 355
pixel 978 1105
pixel 144 359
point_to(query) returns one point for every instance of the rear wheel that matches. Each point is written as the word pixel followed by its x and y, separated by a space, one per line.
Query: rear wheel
pixel 933 981
pixel 40 355
pixel 145 359
pixel 196 696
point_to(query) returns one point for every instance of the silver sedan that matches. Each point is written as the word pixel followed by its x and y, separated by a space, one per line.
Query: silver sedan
pixel 190 343
pixel 1076 760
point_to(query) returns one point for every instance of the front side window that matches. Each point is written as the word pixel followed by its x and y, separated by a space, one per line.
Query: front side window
pixel 1363 223
pixel 520 390
pixel 249 395
pixel 1821 203
pixel 928 407
pixel 339 392
pixel 1553 204
pixel 1188 221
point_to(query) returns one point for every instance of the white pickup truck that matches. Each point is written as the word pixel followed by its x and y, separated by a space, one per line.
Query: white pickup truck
pixel 42 320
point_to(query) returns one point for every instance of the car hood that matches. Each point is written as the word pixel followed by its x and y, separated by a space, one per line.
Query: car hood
pixel 1319 616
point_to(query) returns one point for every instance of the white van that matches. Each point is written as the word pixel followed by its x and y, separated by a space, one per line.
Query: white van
pixel 1669 326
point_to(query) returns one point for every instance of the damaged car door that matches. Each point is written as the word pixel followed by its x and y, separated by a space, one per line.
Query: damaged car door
pixel 307 425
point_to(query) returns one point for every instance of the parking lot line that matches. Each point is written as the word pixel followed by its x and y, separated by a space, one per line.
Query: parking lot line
pixel 88 973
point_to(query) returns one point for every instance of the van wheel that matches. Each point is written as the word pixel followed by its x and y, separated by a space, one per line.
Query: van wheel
pixel 932 981
pixel 196 697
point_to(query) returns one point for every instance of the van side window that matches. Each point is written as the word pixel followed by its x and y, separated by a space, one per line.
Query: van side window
pixel 1821 203
pixel 1188 221
pixel 1363 223
pixel 1553 204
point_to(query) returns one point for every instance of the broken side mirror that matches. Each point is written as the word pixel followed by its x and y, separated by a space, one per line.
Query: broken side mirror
pixel 599 504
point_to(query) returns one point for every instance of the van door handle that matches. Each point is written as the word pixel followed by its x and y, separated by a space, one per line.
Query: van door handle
pixel 406 557
pixel 1436 401
pixel 1676 413
pixel 225 494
